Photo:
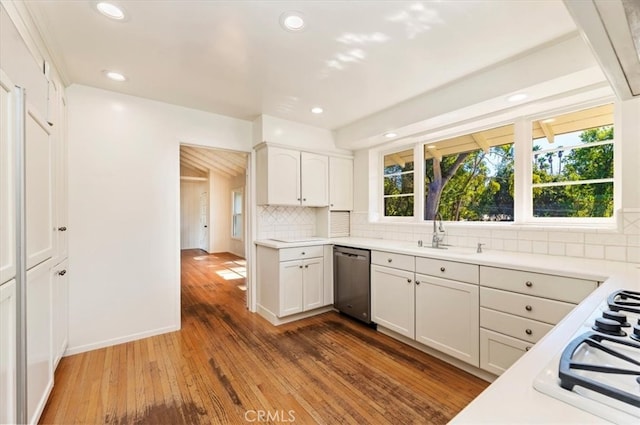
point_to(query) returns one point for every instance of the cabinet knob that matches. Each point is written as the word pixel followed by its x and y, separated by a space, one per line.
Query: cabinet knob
pixel 528 283
pixel 527 348
pixel 528 332
pixel 408 280
pixel 306 266
pixel 304 199
pixel 389 260
pixel 417 282
pixel 303 253
pixel 442 269
pixel 62 272
pixel 62 229
pixel 331 204
pixel 528 308
pixel 300 266
pixel 298 199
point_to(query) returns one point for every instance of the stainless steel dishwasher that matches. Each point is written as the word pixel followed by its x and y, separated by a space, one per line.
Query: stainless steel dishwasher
pixel 351 285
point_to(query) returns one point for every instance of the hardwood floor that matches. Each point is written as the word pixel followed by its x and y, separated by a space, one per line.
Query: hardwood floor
pixel 229 366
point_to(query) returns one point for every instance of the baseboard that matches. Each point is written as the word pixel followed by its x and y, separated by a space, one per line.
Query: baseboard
pixel 115 341
pixel 482 374
pixel 276 321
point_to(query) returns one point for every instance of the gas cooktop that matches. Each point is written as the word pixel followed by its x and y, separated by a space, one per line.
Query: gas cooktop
pixel 599 370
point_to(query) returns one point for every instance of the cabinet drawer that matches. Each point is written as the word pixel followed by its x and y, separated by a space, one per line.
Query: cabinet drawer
pixel 498 352
pixel 540 309
pixel 515 326
pixel 300 253
pixel 396 261
pixel 447 269
pixel 541 285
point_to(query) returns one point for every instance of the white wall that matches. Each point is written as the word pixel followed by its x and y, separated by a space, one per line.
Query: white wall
pixel 123 211
pixel 220 213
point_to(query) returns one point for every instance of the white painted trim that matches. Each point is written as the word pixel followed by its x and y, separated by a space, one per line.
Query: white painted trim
pixel 120 340
pixel 263 145
pixel 276 321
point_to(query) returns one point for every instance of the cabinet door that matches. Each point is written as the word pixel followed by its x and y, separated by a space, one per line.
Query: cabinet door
pixel 39 343
pixel 60 306
pixel 392 299
pixel 315 179
pixel 39 160
pixel 7 181
pixel 8 353
pixel 313 283
pixel 498 352
pixel 340 184
pixel 283 179
pixel 290 287
pixel 447 317
pixel 61 184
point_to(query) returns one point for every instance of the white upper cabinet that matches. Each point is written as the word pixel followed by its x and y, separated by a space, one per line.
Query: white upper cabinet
pixel 340 184
pixel 61 181
pixel 39 159
pixel 314 171
pixel 7 181
pixel 290 177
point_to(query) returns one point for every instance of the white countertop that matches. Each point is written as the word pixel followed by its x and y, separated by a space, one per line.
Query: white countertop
pixel 511 398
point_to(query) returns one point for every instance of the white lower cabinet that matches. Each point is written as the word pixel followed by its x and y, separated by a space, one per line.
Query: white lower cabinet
pixel 447 317
pixel 60 310
pixel 39 341
pixel 301 285
pixel 498 352
pixel 440 313
pixel 292 281
pixel 8 352
pixel 393 299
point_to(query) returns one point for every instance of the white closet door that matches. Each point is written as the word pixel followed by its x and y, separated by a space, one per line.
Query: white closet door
pixel 7 181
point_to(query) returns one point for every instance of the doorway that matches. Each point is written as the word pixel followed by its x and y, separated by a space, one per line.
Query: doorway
pixel 213 218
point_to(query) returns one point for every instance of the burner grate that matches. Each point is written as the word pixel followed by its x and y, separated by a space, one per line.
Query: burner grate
pixel 569 378
pixel 625 301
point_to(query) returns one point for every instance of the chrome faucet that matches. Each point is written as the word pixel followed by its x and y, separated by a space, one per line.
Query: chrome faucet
pixel 437 228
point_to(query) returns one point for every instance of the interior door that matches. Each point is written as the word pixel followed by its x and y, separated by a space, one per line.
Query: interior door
pixel 204 221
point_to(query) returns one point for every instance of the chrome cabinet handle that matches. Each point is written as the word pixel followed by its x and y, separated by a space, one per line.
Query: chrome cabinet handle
pixel 417 282
pixel 389 260
pixel 62 229
pixel 528 308
pixel 408 280
pixel 62 272
pixel 442 269
pixel 528 332
pixel 528 283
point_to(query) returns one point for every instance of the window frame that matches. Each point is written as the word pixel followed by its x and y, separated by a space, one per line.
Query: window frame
pixel 234 214
pixel 523 157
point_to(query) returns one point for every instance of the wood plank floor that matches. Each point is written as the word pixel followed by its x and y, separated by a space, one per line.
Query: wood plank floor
pixel 229 366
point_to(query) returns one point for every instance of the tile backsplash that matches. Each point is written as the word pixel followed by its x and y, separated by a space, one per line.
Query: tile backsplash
pixel 609 244
pixel 285 222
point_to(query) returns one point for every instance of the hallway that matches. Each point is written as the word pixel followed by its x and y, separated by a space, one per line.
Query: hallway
pixel 228 365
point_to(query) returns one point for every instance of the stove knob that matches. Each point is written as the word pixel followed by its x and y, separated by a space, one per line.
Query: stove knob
pixel 608 326
pixel 636 332
pixel 617 316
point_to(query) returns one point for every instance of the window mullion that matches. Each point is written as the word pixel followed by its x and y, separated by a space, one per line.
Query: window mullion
pixel 523 202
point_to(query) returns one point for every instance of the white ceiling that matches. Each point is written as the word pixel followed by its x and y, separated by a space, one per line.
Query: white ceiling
pixel 354 58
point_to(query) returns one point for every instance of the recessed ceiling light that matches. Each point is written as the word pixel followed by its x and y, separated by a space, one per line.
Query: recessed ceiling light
pixel 110 10
pixel 390 134
pixel 517 97
pixel 548 120
pixel 292 21
pixel 317 110
pixel 115 76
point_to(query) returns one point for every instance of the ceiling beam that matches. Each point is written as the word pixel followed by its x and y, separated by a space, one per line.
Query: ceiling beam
pixel 547 130
pixel 481 141
pixel 435 153
pixel 203 163
pixel 188 166
pixel 237 158
pixel 216 163
pixel 398 159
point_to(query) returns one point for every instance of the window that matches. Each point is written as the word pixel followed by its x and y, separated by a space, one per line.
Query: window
pixel 236 214
pixel 471 177
pixel 398 177
pixel 572 164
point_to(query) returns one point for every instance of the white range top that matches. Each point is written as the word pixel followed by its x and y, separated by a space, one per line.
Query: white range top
pixel 512 398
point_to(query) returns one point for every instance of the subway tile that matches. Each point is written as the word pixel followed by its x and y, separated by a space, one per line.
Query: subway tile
pixel 556 248
pixel 574 250
pixel 525 246
pixel 540 247
pixel 504 234
pixel 594 251
pixel 533 235
pixel 605 239
pixel 510 245
pixel 568 237
pixel 497 244
pixel 616 253
pixel 633 254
